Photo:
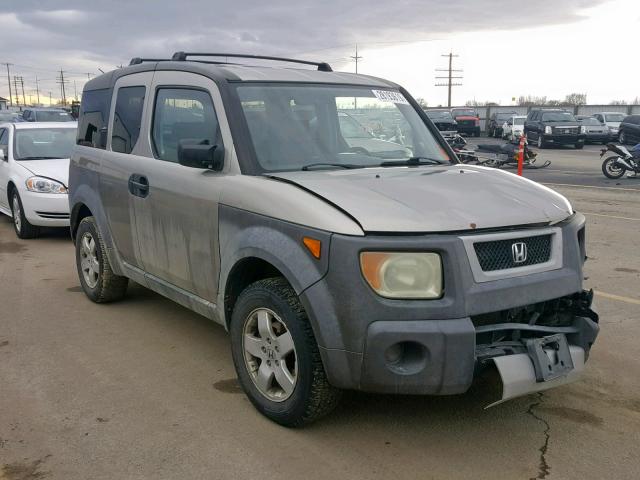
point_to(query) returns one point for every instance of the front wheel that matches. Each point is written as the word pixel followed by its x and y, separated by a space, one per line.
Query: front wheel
pixel 611 169
pixel 21 225
pixel 541 142
pixel 276 356
pixel 622 138
pixel 579 146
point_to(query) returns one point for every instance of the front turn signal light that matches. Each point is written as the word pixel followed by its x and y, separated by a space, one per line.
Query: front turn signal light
pixel 313 245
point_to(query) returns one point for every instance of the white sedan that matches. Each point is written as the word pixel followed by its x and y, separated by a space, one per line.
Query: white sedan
pixel 34 171
pixel 514 127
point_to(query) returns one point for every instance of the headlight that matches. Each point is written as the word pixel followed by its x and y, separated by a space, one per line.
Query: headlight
pixel 548 130
pixel 44 185
pixel 403 274
pixel 583 129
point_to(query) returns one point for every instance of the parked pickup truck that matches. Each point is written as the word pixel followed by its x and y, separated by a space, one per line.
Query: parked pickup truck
pixel 468 121
pixel 444 121
pixel 232 190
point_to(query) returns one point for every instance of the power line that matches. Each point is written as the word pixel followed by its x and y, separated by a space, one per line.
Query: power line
pixel 449 78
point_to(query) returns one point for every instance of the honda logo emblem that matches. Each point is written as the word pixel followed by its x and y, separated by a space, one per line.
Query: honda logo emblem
pixel 519 252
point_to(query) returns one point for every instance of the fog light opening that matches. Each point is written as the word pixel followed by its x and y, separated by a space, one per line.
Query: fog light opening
pixel 406 358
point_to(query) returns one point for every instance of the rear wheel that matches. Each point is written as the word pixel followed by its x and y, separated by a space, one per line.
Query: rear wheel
pixel 611 170
pixel 579 146
pixel 276 356
pixel 21 225
pixel 97 279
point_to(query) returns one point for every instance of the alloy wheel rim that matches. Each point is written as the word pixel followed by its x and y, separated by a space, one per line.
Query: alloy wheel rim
pixel 612 168
pixel 269 354
pixel 89 260
pixel 17 214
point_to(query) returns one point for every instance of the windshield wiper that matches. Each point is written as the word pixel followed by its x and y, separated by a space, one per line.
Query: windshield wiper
pixel 38 158
pixel 312 166
pixel 412 162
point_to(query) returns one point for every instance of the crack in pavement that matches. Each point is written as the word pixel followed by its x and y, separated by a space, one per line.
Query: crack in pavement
pixel 543 467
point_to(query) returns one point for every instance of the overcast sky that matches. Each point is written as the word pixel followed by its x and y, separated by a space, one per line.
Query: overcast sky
pixel 506 48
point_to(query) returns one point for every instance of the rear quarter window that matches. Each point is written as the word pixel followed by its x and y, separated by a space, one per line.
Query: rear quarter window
pixel 127 118
pixel 94 115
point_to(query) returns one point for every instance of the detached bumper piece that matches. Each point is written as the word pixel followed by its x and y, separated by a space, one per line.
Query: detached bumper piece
pixel 534 348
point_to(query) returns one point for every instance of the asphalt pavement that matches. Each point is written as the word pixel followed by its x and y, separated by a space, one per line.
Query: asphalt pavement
pixel 145 389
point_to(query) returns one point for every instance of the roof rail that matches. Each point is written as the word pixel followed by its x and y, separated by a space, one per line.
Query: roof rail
pixel 138 60
pixel 182 56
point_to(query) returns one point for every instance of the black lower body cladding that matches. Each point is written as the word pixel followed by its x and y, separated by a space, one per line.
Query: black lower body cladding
pixel 426 346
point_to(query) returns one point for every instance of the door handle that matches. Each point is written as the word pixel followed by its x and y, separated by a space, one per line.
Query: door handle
pixel 138 185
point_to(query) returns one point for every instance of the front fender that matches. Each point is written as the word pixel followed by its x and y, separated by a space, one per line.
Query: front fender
pixel 245 234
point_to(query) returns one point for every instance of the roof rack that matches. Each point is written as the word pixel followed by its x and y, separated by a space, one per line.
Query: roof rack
pixel 182 56
pixel 138 60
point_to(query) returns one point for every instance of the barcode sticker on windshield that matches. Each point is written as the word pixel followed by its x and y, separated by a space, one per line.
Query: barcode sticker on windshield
pixel 389 96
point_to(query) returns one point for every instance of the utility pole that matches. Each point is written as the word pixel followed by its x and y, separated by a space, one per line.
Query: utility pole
pixel 356 57
pixel 24 100
pixel 62 83
pixel 38 90
pixel 450 77
pixel 15 89
pixel 50 101
pixel 75 90
pixel 9 82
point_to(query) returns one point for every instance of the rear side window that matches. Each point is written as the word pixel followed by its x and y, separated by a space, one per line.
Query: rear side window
pixel 183 116
pixel 92 122
pixel 4 141
pixel 127 118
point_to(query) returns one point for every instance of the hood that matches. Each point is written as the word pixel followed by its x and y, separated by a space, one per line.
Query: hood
pixel 434 198
pixel 56 169
pixel 613 124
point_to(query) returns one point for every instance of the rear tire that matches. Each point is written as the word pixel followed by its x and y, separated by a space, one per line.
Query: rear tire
pixel 96 276
pixel 579 146
pixel 610 170
pixel 286 384
pixel 21 225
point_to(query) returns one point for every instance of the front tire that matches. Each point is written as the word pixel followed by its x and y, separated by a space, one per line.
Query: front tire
pixel 21 225
pixel 579 146
pixel 96 276
pixel 611 170
pixel 541 143
pixel 622 138
pixel 276 356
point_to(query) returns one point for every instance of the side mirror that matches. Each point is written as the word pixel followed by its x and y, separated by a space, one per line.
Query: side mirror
pixel 103 137
pixel 3 155
pixel 200 155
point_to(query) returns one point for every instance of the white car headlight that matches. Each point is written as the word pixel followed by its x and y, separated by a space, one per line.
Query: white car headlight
pixel 548 130
pixel 416 275
pixel 44 185
pixel 583 129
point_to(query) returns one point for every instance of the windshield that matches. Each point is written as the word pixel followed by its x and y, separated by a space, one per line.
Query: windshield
pixel 295 126
pixel 44 143
pixel 53 116
pixel 435 115
pixel 614 117
pixel 519 120
pixel 589 121
pixel 503 116
pixel 467 112
pixel 558 117
pixel 350 127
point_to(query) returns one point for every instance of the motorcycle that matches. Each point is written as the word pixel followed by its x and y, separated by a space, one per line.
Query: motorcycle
pixel 624 160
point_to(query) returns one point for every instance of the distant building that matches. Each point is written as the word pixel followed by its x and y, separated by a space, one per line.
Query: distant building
pixel 3 103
